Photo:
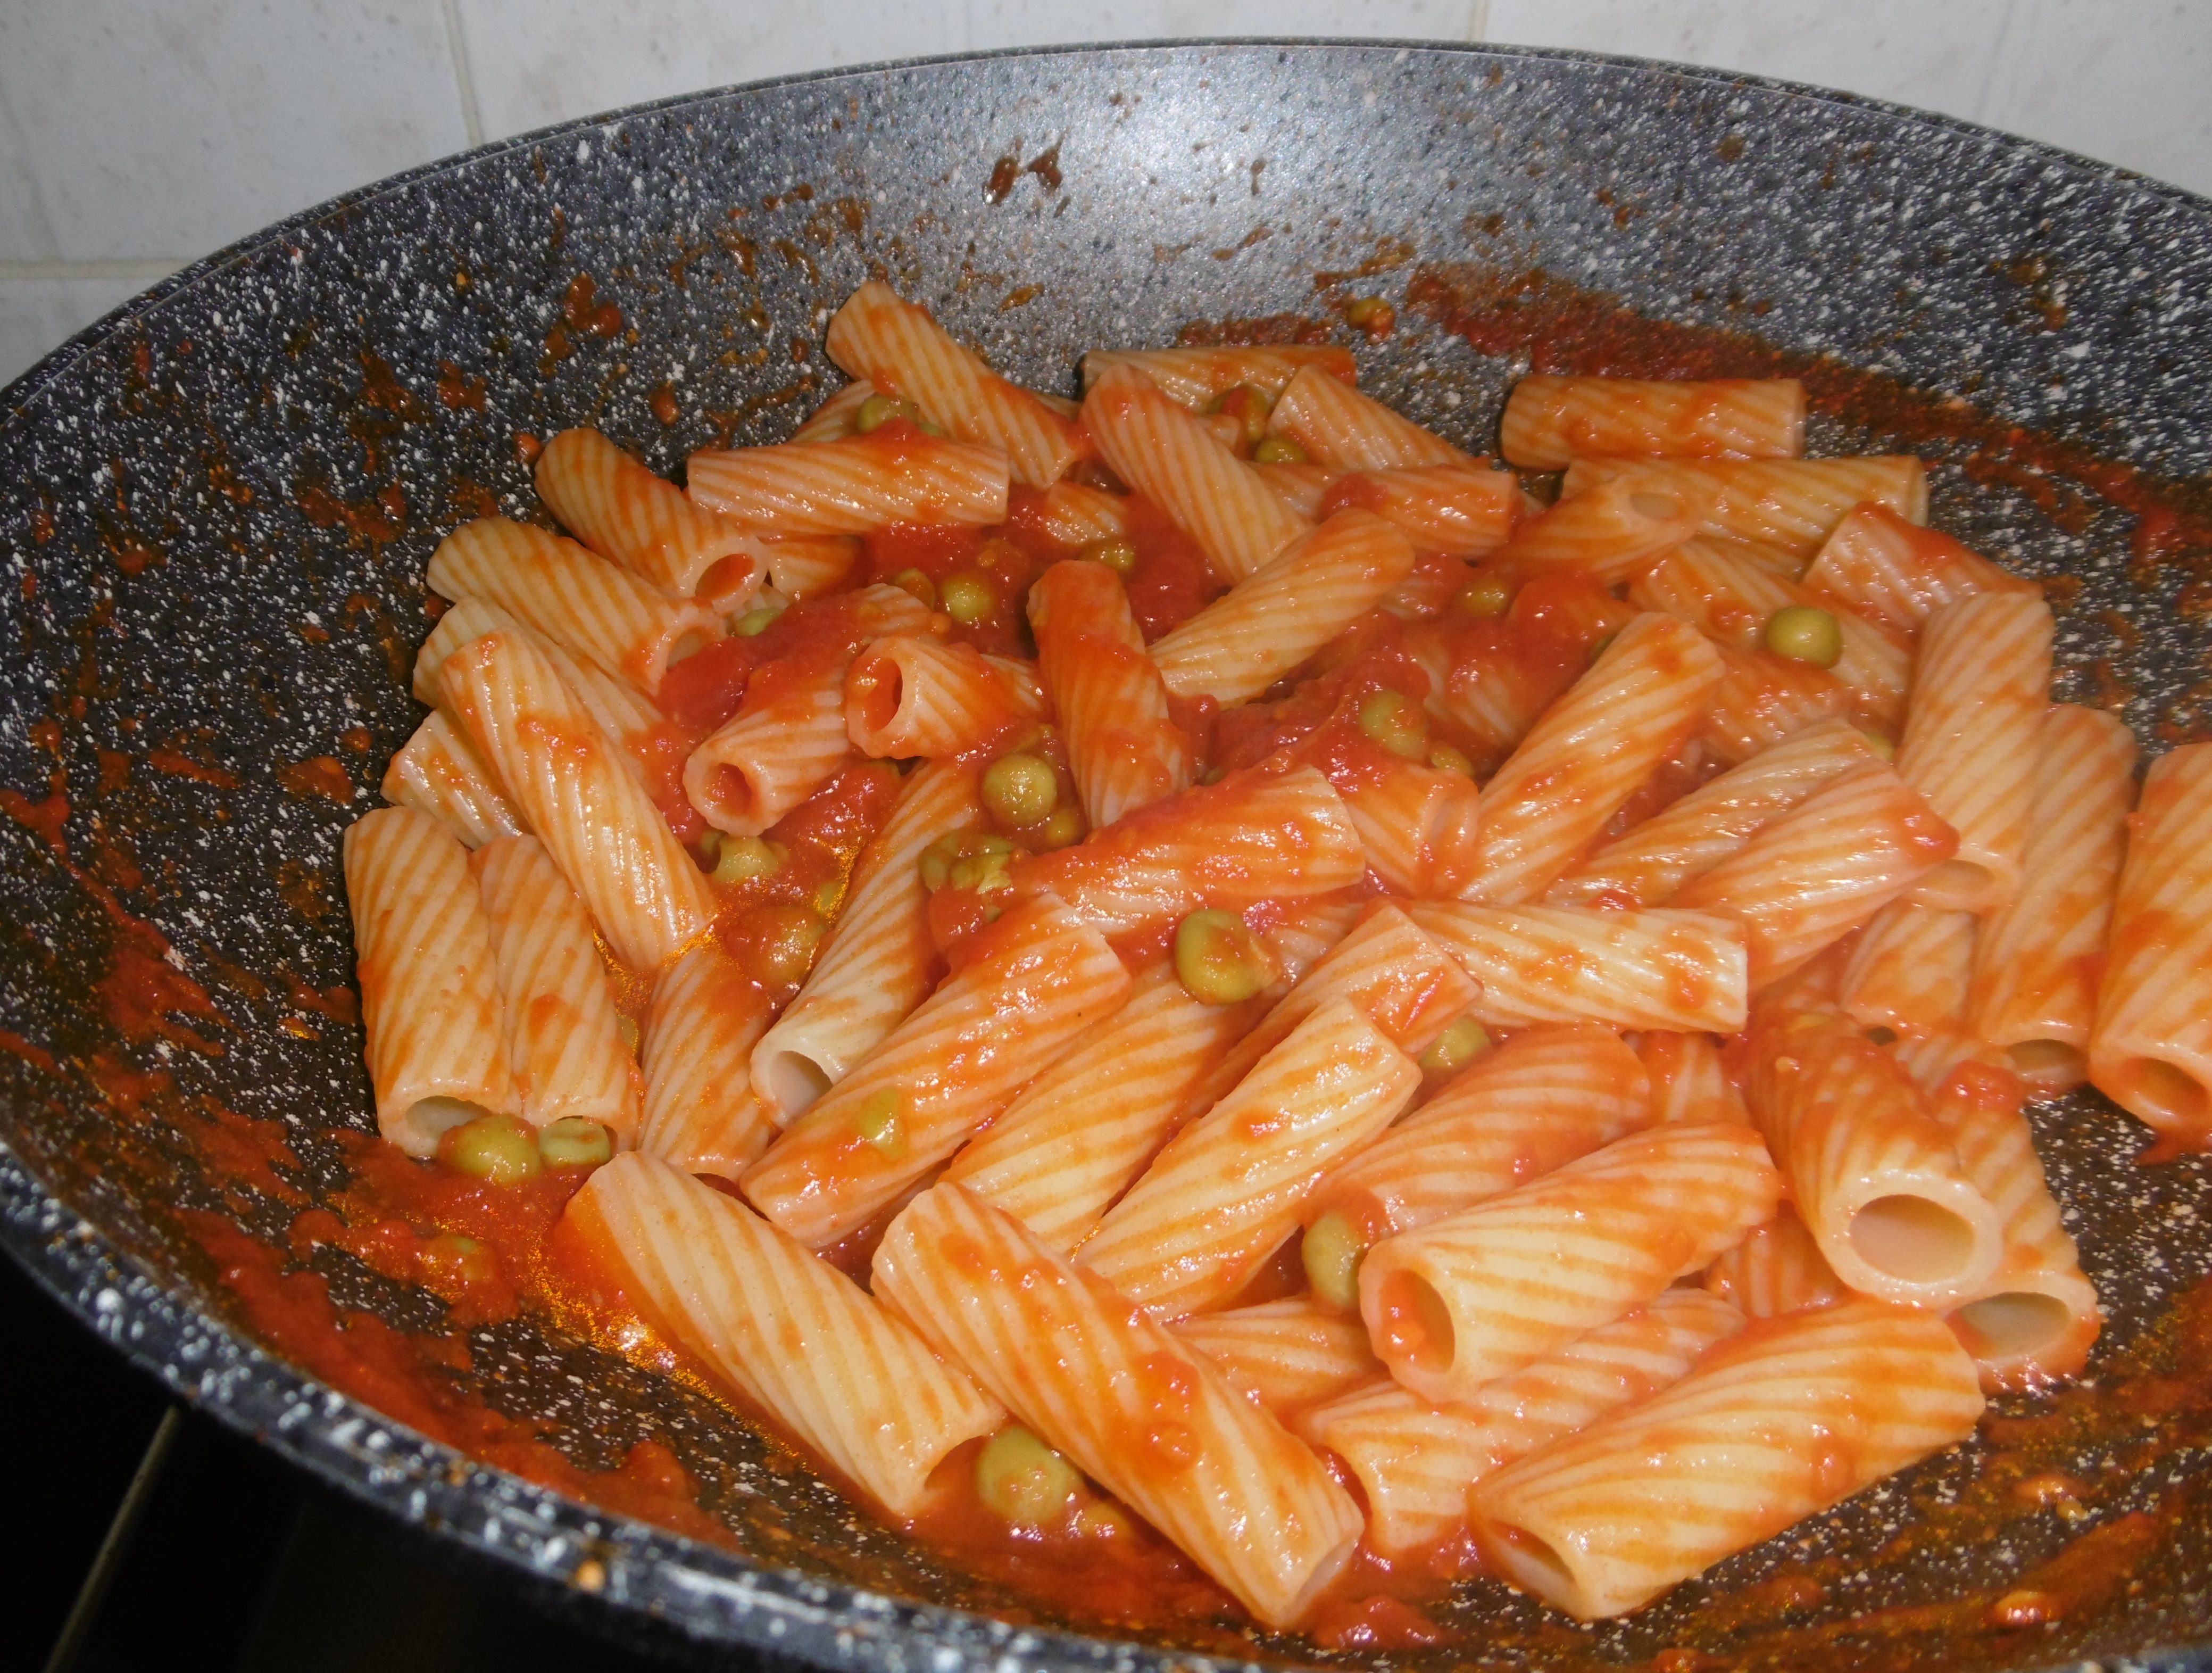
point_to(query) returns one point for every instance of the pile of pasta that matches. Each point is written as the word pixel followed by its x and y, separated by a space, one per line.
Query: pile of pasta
pixel 1485 1021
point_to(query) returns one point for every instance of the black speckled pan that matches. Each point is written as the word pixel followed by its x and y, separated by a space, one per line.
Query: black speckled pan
pixel 216 505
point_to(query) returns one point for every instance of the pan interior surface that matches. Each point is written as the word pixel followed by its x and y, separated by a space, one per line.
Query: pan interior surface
pixel 217 506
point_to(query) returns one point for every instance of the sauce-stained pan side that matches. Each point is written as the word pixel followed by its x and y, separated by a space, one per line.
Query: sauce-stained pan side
pixel 216 506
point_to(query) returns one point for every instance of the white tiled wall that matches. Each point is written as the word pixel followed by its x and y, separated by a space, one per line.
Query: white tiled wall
pixel 137 134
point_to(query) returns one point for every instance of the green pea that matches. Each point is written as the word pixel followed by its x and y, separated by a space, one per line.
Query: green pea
pixel 879 410
pixel 1879 745
pixel 937 862
pixel 755 622
pixel 1444 758
pixel 1020 789
pixel 1279 450
pixel 1064 827
pixel 1023 1479
pixel 1371 314
pixel 1456 1047
pixel 914 581
pixel 1602 646
pixel 1119 556
pixel 627 1027
pixel 1484 599
pixel 1394 721
pixel 985 873
pixel 785 952
pixel 1332 1252
pixel 1219 959
pixel 1805 633
pixel 828 893
pixel 1250 405
pixel 881 1122
pixel 573 1142
pixel 741 859
pixel 968 598
pixel 500 1149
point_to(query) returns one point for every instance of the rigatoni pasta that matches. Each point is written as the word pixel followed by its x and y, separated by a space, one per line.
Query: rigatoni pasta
pixel 1256 935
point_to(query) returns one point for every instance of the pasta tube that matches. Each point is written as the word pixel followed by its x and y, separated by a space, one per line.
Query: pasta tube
pixel 1169 457
pixel 1338 426
pixel 1650 864
pixel 1225 1193
pixel 908 695
pixel 1123 748
pixel 1416 1462
pixel 701 1115
pixel 438 772
pixel 1776 1269
pixel 1638 704
pixel 2036 964
pixel 878 962
pixel 1793 1415
pixel 1886 569
pixel 1872 1172
pixel 1287 1354
pixel 1823 869
pixel 564 1044
pixel 429 984
pixel 1038 979
pixel 1193 377
pixel 584 804
pixel 795 1336
pixel 575 597
pixel 1086 1127
pixel 1278 616
pixel 1147 1418
pixel 852 484
pixel 1458 1302
pixel 879 338
pixel 1553 1093
pixel 623 512
pixel 1790 503
pixel 1551 421
pixel 2150 1050
pixel 1971 740
pixel 1658 969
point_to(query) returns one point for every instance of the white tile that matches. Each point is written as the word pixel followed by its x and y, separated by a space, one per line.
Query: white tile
pixel 993 23
pixel 1937 56
pixel 535 62
pixel 2129 82
pixel 168 129
pixel 39 314
pixel 24 234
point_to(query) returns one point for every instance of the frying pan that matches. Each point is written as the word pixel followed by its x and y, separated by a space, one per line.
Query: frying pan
pixel 216 506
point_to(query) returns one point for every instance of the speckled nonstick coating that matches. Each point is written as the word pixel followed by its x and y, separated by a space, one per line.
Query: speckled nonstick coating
pixel 216 506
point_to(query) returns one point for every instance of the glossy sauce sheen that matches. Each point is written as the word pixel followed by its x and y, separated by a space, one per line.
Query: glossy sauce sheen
pixel 487 1252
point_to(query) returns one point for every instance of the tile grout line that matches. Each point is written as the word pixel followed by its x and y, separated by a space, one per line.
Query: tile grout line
pixel 147 267
pixel 457 44
pixel 1478 21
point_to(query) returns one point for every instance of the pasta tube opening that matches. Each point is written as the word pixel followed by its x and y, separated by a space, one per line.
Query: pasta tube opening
pixel 1417 1324
pixel 2012 1324
pixel 793 1079
pixel 1913 1237
pixel 1536 1566
pixel 2165 1093
pixel 2049 1065
pixel 875 691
